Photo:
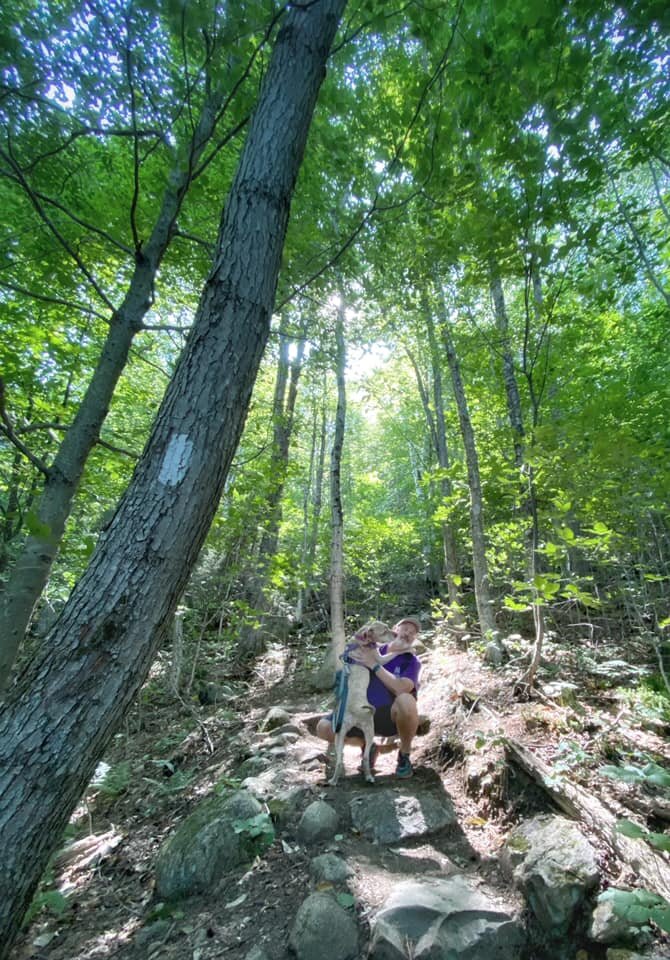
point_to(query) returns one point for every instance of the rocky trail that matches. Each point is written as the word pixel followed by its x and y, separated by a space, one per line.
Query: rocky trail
pixel 213 832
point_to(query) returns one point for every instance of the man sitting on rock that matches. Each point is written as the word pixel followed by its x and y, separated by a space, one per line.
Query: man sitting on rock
pixel 392 691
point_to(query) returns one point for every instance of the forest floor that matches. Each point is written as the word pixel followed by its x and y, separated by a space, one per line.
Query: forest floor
pixel 171 753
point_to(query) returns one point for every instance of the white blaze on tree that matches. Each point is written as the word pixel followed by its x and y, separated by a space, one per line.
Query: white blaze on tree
pixel 176 460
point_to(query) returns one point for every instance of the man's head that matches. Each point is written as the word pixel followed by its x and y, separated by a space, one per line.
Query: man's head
pixel 407 630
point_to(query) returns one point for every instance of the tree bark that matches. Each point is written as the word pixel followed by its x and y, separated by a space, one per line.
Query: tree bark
pixel 59 718
pixel 31 570
pixel 477 526
pixel 315 487
pixel 337 631
pixel 514 411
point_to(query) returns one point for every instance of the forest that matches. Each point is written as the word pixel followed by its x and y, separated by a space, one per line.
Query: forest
pixel 317 313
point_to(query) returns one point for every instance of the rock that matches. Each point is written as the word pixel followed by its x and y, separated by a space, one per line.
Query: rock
pixel 434 918
pixel 253 765
pixel 286 803
pixel 323 930
pixel 318 823
pixel 327 868
pixel 390 815
pixel 555 867
pixel 152 932
pixel 307 751
pixel 205 846
pixel 275 717
pixel 256 953
pixel 291 728
pixel 566 693
pixel 263 786
pixel 493 654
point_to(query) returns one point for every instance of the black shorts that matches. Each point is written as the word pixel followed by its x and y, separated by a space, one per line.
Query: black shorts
pixel 384 725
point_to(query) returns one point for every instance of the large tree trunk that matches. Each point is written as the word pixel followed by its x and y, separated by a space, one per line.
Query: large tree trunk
pixel 477 525
pixel 66 707
pixel 31 570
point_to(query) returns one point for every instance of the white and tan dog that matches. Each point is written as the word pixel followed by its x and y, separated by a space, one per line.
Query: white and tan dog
pixel 358 712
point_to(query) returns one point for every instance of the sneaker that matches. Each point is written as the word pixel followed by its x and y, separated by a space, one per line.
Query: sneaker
pixel 374 753
pixel 404 769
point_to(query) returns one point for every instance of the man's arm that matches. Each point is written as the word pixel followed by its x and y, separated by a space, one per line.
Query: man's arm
pixel 395 684
pixel 369 657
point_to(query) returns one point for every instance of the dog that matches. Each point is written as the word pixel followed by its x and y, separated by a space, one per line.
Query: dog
pixel 358 712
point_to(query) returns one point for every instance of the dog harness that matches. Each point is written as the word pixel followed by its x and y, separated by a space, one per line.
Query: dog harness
pixel 342 689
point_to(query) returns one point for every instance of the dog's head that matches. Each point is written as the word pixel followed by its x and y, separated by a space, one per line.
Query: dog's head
pixel 373 634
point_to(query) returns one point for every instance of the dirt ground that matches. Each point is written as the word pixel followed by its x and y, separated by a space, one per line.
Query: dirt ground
pixel 172 752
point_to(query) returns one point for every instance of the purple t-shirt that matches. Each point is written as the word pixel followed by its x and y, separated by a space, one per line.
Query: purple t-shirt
pixel 404 665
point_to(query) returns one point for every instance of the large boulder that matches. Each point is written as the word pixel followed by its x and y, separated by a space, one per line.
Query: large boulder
pixel 389 815
pixel 434 918
pixel 555 867
pixel 206 846
pixel 323 930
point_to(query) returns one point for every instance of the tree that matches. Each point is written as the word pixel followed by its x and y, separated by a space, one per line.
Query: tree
pixel 153 227
pixel 477 525
pixel 70 699
pixel 325 676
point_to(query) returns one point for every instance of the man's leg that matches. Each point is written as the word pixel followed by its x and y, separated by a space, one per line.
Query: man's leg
pixel 405 715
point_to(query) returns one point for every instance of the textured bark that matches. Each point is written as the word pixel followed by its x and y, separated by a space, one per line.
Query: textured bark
pixel 477 526
pixel 59 718
pixel 509 376
pixel 337 515
pixel 314 488
pixel 31 570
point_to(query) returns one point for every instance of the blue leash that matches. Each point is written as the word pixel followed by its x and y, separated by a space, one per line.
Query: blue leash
pixel 341 692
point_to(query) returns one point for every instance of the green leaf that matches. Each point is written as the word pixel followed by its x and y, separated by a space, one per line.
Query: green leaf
pixel 661 917
pixel 601 528
pixel 629 829
pixel 653 773
pixel 626 774
pixel 345 900
pixel 660 841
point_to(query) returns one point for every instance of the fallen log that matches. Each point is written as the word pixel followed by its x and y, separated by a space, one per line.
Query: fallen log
pixel 651 867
